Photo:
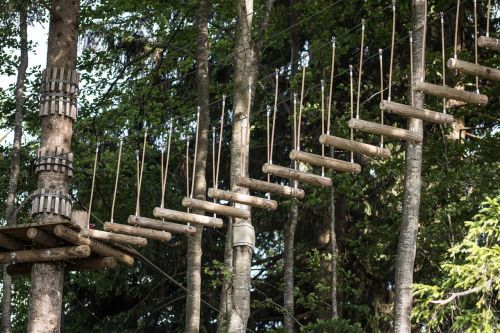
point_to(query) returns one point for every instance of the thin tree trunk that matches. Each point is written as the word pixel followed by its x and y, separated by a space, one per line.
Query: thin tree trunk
pixel 194 254
pixel 47 278
pixel 16 158
pixel 288 259
pixel 334 251
pixel 412 185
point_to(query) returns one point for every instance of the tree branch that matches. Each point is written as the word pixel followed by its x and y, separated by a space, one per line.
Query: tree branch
pixel 459 294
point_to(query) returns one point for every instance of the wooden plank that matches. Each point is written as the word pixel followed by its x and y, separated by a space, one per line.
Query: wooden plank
pixel 296 175
pixel 354 146
pixel 79 265
pixel 219 209
pixel 389 131
pixel 413 112
pixel 473 69
pixel 136 231
pixel 262 186
pixel 111 237
pixel 174 215
pixel 174 228
pixel 44 255
pixel 450 93
pixel 43 238
pixel 323 161
pixel 10 243
pixel 489 43
pixel 243 199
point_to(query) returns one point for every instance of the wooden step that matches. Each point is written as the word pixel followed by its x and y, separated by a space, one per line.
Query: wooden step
pixel 115 238
pixel 44 255
pixel 473 69
pixel 212 207
pixel 174 215
pixel 390 131
pixel 489 43
pixel 243 199
pixel 413 112
pixel 262 186
pixel 293 174
pixel 323 161
pixel 136 231
pixel 79 265
pixel 354 146
pixel 450 93
pixel 174 228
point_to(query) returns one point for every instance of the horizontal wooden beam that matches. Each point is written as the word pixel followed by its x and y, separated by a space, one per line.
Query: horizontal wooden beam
pixel 242 199
pixel 136 231
pixel 174 228
pixel 216 208
pixel 413 112
pixel 450 93
pixel 44 255
pixel 175 215
pixel 489 43
pixel 293 174
pixel 43 238
pixel 114 238
pixel 260 185
pixel 86 264
pixel 10 243
pixel 324 161
pixel 354 146
pixel 473 69
pixel 390 131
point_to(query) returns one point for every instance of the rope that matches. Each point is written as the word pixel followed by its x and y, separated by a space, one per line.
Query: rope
pixel 137 205
pixel 360 65
pixel 195 150
pixel 475 43
pixel 488 19
pixel 187 168
pixel 294 136
pixel 456 30
pixel 424 39
pixel 275 111
pixel 268 133
pixel 352 108
pixel 116 180
pixel 214 157
pixel 93 183
pixel 389 93
pixel 322 122
pixel 328 123
pixel 411 69
pixel 220 138
pixel 443 60
pixel 165 173
pixel 382 93
pixel 137 168
pixel 301 106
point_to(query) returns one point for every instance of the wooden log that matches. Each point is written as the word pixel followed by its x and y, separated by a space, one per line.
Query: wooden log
pixel 136 231
pixel 44 255
pixel 413 112
pixel 243 199
pixel 111 237
pixel 10 243
pixel 219 209
pixel 174 228
pixel 323 161
pixel 260 185
pixel 354 146
pixel 87 264
pixel 489 43
pixel 473 69
pixel 101 249
pixel 389 131
pixel 293 174
pixel 450 93
pixel 174 215
pixel 43 238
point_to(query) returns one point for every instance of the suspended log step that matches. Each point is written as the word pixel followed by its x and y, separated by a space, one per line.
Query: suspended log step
pixel 413 112
pixel 293 174
pixel 44 255
pixel 262 186
pixel 174 228
pixel 174 215
pixel 216 208
pixel 243 199
pixel 323 161
pixel 354 146
pixel 450 93
pixel 87 264
pixel 389 131
pixel 43 238
pixel 116 238
pixel 489 43
pixel 136 231
pixel 473 69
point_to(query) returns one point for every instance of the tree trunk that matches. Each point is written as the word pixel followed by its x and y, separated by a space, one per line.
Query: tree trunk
pixel 288 262
pixel 333 249
pixel 412 184
pixel 47 278
pixel 16 158
pixel 194 254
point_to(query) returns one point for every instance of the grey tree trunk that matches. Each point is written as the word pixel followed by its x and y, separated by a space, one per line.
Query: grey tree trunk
pixel 16 158
pixel 333 249
pixel 47 279
pixel 412 185
pixel 288 263
pixel 194 254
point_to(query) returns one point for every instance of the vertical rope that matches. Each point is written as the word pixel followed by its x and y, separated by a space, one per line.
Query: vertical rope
pixel 443 60
pixel 362 51
pixel 381 93
pixel 328 123
pixel 137 204
pixel 352 108
pixel 241 148
pixel 116 180
pixel 187 168
pixel 294 135
pixel 275 111
pixel 214 157
pixel 488 19
pixel 165 173
pixel 322 122
pixel 220 137
pixel 475 43
pixel 424 37
pixel 455 48
pixel 301 107
pixel 162 152
pixel 195 150
pixel 137 168
pixel 389 93
pixel 268 134
pixel 411 68
pixel 93 183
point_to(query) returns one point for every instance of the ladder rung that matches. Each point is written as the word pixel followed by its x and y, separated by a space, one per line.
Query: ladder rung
pixel 242 199
pixel 413 112
pixel 450 93
pixel 174 228
pixel 354 146
pixel 390 131
pixel 473 69
pixel 489 43
pixel 323 161
pixel 216 208
pixel 293 174
pixel 135 231
pixel 175 215
pixel 260 185
pixel 106 236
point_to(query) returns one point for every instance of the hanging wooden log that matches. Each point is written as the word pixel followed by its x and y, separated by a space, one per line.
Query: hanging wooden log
pixel 293 174
pixel 174 228
pixel 243 199
pixel 44 255
pixel 10 243
pixel 174 215
pixel 212 207
pixel 136 231
pixel 450 93
pixel 262 186
pixel 390 131
pixel 43 238
pixel 111 237
pixel 354 146
pixel 413 112
pixel 323 161
pixel 473 69
pixel 86 264
pixel 489 43
pixel 101 249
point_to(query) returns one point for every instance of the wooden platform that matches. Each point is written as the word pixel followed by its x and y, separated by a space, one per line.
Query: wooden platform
pixel 19 232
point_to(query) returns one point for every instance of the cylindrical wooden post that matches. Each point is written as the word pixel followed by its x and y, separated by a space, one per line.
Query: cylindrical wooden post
pixel 174 215
pixel 354 146
pixel 324 161
pixel 262 186
pixel 80 218
pixel 216 208
pixel 243 199
pixel 393 132
pixel 473 69
pixel 450 93
pixel 41 237
pixel 44 255
pixel 111 237
pixel 174 228
pixel 489 43
pixel 136 231
pixel 296 175
pixel 413 112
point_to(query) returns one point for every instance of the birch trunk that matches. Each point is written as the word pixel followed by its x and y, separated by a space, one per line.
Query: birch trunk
pixel 288 258
pixel 333 249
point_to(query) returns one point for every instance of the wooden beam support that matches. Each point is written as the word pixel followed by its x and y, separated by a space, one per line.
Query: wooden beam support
pixel 390 131
pixel 41 237
pixel 216 208
pixel 293 174
pixel 413 112
pixel 323 161
pixel 354 146
pixel 243 199
pixel 174 228
pixel 475 70
pixel 114 238
pixel 450 93
pixel 87 264
pixel 10 243
pixel 136 231
pixel 101 249
pixel 489 43
pixel 175 215
pixel 44 255
pixel 262 186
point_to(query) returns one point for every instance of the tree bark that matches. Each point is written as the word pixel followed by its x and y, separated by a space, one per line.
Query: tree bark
pixel 412 185
pixel 47 278
pixel 288 263
pixel 16 157
pixel 334 251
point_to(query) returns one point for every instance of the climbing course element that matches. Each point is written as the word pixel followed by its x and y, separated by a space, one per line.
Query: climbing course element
pixel 44 255
pixel 139 232
pixel 86 264
pixel 215 208
pixel 390 131
pixel 174 215
pixel 173 228
pixel 262 186
pixel 354 146
pixel 413 112
pixel 58 92
pixel 297 175
pixel 326 162
pixel 245 199
pixel 489 43
pixel 473 69
pixel 55 160
pixel 115 238
pixel 52 202
pixel 450 93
